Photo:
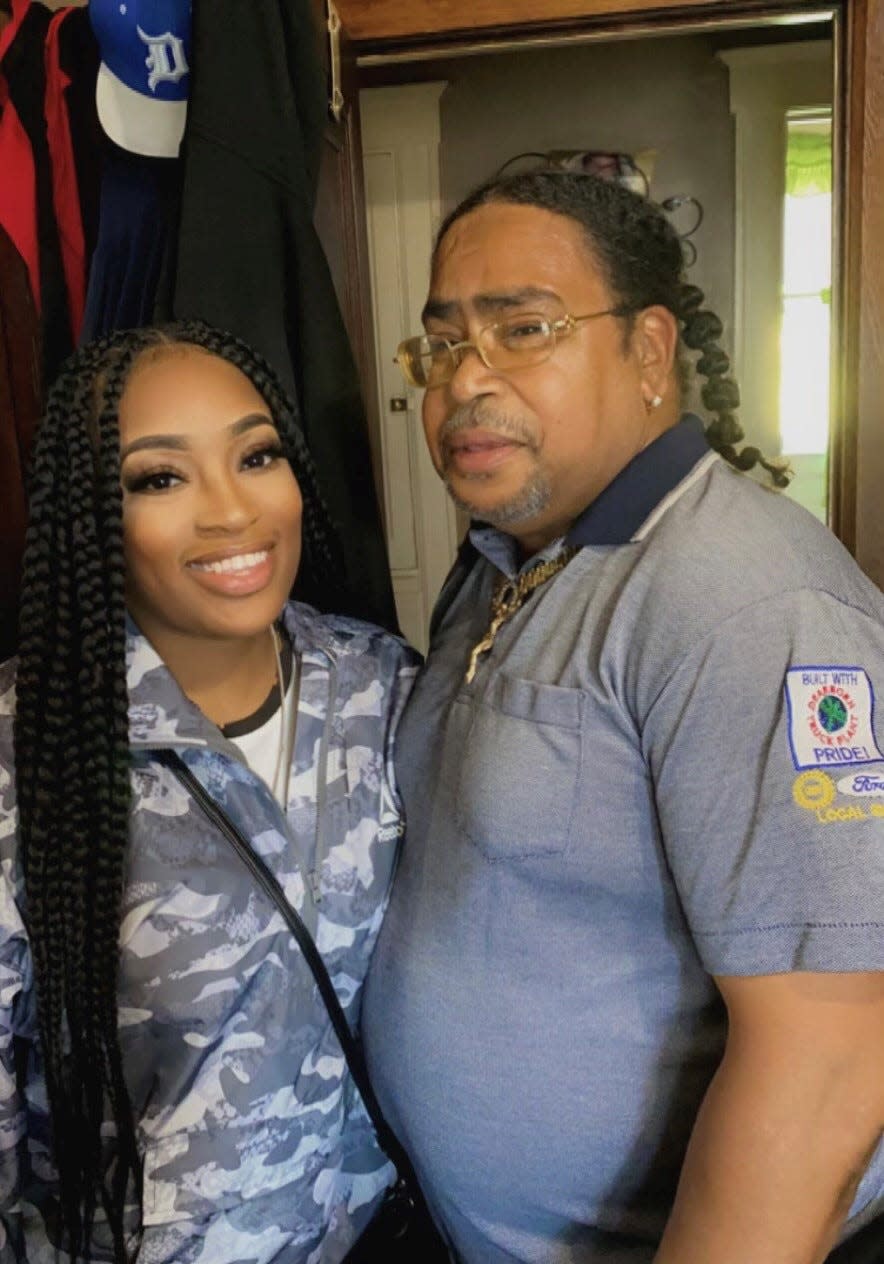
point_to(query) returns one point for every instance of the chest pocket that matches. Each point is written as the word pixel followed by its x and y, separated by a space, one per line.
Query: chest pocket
pixel 519 768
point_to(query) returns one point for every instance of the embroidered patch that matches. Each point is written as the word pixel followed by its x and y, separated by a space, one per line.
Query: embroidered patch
pixel 862 785
pixel 831 710
pixel 813 790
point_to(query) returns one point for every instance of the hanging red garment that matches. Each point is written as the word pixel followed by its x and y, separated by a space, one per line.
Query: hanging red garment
pixel 22 67
pixel 47 125
pixel 18 187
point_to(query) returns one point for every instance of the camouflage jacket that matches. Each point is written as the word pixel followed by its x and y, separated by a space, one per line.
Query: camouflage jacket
pixel 256 1145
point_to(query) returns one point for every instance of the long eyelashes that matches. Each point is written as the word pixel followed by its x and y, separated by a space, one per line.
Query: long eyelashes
pixel 156 480
pixel 163 478
pixel 262 457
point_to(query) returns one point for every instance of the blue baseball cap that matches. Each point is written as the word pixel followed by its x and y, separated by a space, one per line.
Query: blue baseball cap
pixel 144 76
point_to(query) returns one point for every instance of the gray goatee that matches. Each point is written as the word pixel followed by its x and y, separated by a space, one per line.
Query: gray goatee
pixel 531 499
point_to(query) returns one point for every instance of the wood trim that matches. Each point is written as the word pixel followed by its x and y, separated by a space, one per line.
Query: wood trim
pixel 342 152
pixel 848 178
pixel 390 21
pixel 858 458
pixel 362 335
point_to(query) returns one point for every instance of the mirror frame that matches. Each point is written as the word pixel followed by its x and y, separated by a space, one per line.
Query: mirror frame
pixel 385 31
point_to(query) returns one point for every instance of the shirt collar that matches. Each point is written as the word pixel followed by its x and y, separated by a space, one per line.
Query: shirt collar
pixel 617 512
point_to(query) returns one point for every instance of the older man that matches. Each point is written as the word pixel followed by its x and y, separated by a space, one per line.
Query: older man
pixel 626 1006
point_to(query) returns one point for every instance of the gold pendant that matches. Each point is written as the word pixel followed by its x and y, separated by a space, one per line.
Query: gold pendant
pixel 509 596
pixel 482 647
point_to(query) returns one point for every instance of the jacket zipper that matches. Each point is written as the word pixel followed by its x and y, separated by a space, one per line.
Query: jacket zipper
pixel 314 876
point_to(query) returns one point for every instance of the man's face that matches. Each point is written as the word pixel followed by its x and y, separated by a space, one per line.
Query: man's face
pixel 528 450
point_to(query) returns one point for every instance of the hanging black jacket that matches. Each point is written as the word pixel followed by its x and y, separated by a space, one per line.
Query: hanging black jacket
pixel 20 358
pixel 248 256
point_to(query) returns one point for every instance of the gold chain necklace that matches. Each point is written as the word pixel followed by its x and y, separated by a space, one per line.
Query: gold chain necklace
pixel 509 596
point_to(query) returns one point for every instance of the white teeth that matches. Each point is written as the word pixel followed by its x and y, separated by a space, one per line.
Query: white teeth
pixel 229 565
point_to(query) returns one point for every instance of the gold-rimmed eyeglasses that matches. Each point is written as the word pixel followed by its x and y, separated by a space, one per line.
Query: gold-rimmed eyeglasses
pixel 515 342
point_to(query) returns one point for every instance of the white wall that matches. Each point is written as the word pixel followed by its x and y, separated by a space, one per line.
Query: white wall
pixel 669 94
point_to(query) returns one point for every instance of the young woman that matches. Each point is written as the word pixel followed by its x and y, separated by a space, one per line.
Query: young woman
pixel 173 732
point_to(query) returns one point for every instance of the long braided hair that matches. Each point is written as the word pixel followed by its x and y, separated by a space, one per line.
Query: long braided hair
pixel 641 258
pixel 72 752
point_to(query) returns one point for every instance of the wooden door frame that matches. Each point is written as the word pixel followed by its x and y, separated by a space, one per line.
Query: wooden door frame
pixel 858 462
pixel 342 166
pixel 404 25
pixel 401 30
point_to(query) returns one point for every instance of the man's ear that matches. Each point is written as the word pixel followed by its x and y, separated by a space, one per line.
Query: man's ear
pixel 655 340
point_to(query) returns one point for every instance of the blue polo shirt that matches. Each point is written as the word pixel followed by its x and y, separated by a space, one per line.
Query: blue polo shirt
pixel 667 767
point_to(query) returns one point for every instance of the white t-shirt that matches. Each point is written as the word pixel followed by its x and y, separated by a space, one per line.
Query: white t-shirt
pixel 266 737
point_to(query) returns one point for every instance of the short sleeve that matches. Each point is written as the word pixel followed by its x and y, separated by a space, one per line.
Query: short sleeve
pixel 764 747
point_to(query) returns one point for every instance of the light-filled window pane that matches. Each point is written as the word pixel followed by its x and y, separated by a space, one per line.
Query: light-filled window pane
pixel 805 335
pixel 807 252
pixel 804 374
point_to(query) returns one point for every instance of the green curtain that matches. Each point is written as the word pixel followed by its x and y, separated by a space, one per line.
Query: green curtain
pixel 808 164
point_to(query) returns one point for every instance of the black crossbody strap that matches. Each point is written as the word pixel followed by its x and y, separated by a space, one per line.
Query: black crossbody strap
pixel 266 879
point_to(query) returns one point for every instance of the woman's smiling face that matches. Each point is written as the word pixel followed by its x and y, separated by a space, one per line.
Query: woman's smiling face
pixel 211 508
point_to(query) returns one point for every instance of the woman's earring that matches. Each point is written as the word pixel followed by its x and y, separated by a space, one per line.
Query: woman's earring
pixel 654 402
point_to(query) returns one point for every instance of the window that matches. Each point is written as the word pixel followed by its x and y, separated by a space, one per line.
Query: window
pixel 781 99
pixel 806 304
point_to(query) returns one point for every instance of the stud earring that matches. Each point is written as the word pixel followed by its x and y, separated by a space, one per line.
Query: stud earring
pixel 654 402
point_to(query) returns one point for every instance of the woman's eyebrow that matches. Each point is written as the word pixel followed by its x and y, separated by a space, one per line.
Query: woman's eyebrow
pixel 179 443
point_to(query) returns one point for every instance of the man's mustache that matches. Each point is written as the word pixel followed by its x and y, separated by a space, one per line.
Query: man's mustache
pixel 481 417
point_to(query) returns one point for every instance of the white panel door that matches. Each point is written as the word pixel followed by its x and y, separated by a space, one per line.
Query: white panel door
pixel 400 141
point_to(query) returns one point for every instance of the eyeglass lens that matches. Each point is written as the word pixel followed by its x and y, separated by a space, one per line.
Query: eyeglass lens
pixel 515 342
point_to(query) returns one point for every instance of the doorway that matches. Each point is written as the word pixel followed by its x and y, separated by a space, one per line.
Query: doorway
pixel 670 102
